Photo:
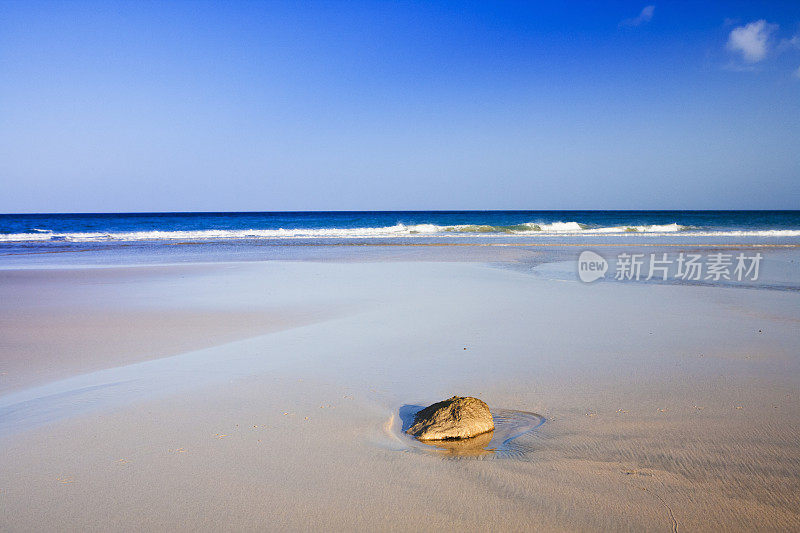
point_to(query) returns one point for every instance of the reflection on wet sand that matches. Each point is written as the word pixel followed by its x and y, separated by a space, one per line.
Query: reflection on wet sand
pixel 478 445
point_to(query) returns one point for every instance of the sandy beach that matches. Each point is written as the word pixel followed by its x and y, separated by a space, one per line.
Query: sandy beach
pixel 268 395
pixel 372 266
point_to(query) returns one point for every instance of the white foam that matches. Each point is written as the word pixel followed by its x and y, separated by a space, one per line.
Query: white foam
pixel 559 227
pixel 663 228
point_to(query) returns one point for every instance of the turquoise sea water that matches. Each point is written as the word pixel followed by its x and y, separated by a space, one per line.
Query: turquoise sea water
pixel 386 224
pixel 131 237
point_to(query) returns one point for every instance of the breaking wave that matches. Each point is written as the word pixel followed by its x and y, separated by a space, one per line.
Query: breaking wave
pixel 531 229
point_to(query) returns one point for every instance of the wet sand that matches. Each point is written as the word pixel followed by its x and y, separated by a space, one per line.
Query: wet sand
pixel 666 407
pixel 57 323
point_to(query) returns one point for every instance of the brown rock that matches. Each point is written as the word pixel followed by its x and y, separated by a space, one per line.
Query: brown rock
pixel 456 418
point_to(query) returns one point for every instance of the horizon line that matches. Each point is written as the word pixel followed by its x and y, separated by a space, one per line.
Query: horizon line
pixel 397 211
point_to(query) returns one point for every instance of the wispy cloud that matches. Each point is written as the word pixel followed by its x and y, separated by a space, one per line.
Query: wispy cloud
pixel 752 40
pixel 786 44
pixel 644 17
pixel 797 73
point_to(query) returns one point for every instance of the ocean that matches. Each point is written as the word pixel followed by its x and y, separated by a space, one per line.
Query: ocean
pixel 40 239
pixel 154 227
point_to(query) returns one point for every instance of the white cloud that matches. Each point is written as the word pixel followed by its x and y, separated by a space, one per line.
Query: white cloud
pixel 794 42
pixel 644 17
pixel 752 40
pixel 797 73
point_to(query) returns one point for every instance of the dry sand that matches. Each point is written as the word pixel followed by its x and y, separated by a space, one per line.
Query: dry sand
pixel 667 408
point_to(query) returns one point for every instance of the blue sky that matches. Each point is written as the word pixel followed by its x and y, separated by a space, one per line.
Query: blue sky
pixel 209 106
